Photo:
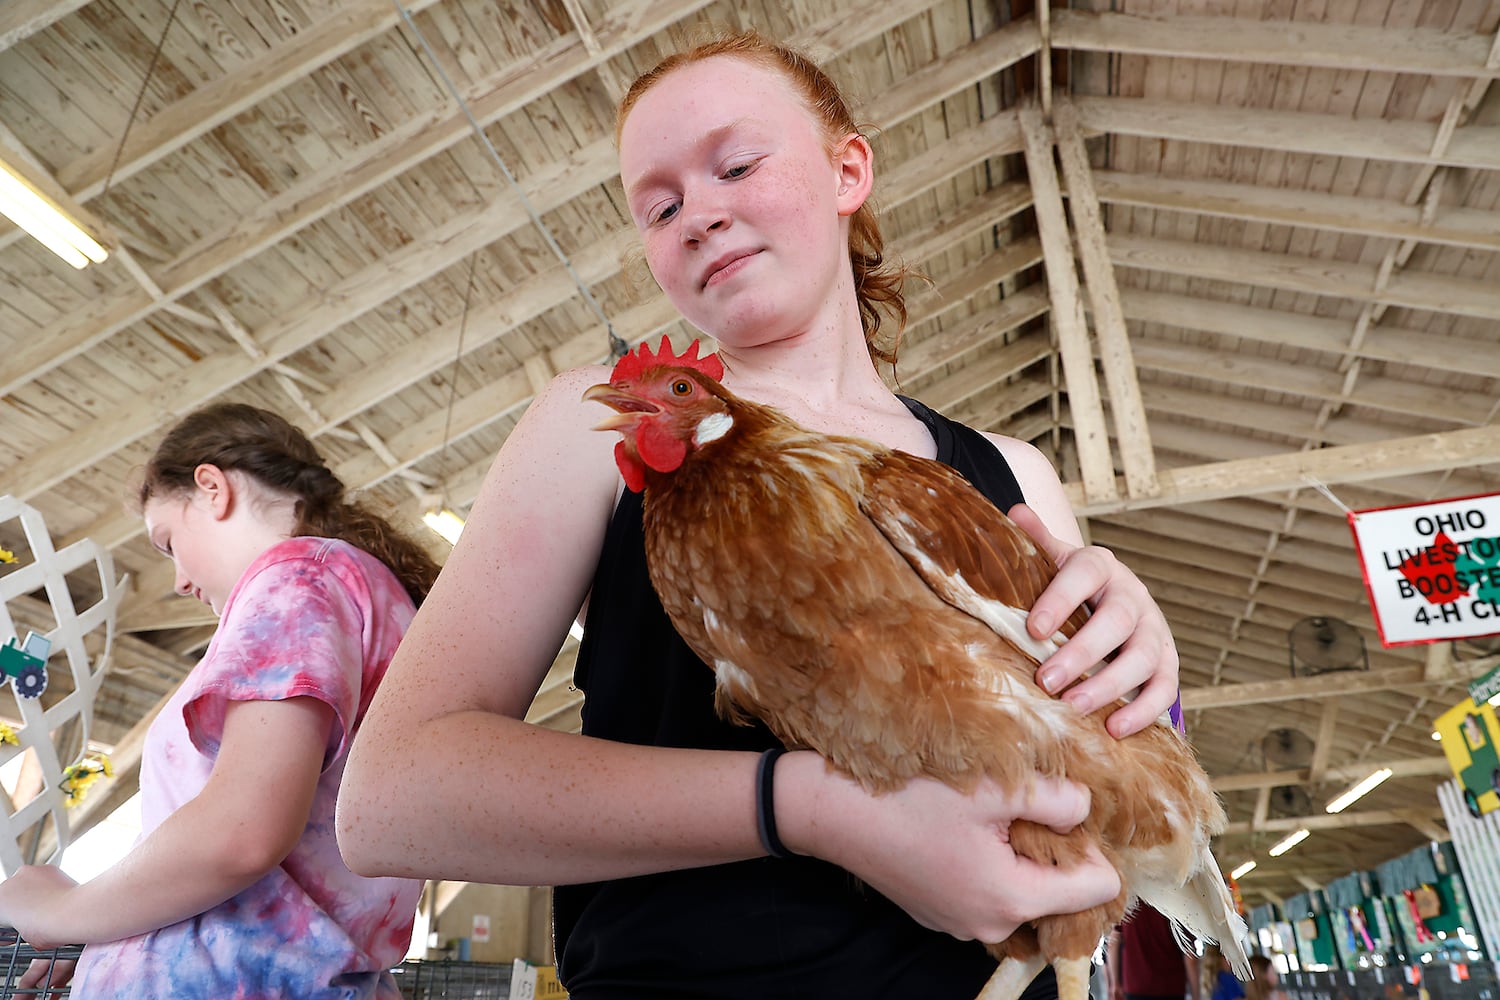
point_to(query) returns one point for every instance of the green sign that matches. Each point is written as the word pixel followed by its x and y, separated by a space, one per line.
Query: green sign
pixel 1484 688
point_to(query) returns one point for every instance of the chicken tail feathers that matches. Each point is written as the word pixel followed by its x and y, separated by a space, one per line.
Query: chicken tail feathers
pixel 1203 908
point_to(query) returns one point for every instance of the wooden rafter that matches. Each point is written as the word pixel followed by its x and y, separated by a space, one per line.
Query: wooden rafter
pixel 1341 821
pixel 1087 411
pixel 1132 435
pixel 1308 332
pixel 20 19
pixel 1341 464
pixel 1439 293
pixel 1331 46
pixel 1291 131
pixel 1282 206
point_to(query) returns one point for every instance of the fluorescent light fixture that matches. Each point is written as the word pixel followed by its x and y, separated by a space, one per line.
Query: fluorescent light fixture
pixel 1363 788
pixel 1243 870
pixel 21 204
pixel 1288 842
pixel 445 523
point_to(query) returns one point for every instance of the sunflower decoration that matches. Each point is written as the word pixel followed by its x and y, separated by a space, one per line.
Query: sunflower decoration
pixel 7 556
pixel 78 777
pixel 8 734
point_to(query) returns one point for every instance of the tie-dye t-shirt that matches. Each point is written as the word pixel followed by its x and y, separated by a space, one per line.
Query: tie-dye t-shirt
pixel 310 617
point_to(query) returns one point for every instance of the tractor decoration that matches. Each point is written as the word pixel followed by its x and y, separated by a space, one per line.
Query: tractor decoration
pixel 26 665
pixel 1470 735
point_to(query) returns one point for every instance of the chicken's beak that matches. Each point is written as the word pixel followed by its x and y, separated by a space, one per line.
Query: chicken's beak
pixel 630 407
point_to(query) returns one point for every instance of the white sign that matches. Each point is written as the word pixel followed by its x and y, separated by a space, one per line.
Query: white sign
pixel 522 980
pixel 1432 570
pixel 480 933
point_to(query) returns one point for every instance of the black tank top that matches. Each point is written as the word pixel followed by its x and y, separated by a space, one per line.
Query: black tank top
pixel 758 929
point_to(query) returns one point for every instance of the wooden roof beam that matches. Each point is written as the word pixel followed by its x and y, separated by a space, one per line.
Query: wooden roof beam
pixel 200 112
pixel 1325 685
pixel 1397 472
pixel 1089 431
pixel 1323 742
pixel 1314 333
pixel 1132 433
pixel 1398 397
pixel 1449 226
pixel 1292 470
pixel 1337 821
pixel 1357 282
pixel 920 357
pixel 1291 131
pixel 1284 43
pixel 20 19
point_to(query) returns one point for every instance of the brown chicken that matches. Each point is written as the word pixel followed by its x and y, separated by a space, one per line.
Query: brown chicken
pixel 871 605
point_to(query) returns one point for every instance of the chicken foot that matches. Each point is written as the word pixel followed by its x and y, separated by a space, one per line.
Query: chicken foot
pixel 1012 977
pixel 1015 974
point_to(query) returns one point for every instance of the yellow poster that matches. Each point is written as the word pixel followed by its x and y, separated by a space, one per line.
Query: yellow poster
pixel 1470 734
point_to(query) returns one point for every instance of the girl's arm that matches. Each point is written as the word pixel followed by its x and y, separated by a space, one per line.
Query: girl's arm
pixel 445 780
pixel 1125 622
pixel 244 822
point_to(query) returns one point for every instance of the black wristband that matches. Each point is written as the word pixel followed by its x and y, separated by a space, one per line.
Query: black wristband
pixel 765 804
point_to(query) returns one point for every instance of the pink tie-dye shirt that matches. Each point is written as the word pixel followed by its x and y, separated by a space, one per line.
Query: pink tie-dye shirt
pixel 310 618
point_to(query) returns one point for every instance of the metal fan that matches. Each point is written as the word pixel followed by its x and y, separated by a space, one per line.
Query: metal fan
pixel 1284 748
pixel 1320 645
pixel 1476 648
pixel 1290 800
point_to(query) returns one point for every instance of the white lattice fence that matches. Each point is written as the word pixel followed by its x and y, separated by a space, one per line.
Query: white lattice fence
pixel 1477 842
pixel 45 569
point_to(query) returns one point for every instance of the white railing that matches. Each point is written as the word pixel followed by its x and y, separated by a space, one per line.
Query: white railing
pixel 1477 842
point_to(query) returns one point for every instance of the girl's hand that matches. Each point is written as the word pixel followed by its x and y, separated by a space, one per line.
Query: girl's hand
pixel 941 855
pixel 46 974
pixel 34 901
pixel 1125 622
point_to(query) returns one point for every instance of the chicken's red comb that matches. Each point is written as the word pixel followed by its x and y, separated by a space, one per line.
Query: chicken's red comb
pixel 636 362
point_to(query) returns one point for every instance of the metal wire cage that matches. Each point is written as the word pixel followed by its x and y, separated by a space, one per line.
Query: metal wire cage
pixel 451 980
pixel 16 957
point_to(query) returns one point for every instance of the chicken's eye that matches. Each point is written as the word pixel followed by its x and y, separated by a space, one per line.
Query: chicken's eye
pixel 682 387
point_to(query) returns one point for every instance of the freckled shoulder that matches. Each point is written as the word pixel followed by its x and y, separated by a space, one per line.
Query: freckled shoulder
pixel 954 537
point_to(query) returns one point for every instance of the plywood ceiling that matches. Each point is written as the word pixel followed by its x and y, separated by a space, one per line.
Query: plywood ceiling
pixel 1289 282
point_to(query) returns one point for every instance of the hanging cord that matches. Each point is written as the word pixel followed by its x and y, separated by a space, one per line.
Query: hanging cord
pixel 1318 485
pixel 140 94
pixel 618 347
pixel 463 326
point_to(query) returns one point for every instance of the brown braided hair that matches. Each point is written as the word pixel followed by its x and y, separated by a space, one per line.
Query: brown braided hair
pixel 266 447
pixel 877 283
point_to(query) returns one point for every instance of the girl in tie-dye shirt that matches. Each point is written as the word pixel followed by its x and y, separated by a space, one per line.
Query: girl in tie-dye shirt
pixel 236 888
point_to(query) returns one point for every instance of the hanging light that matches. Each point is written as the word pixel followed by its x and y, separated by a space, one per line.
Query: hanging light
pixel 445 523
pixel 1288 842
pixel 26 207
pixel 1243 870
pixel 1358 791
